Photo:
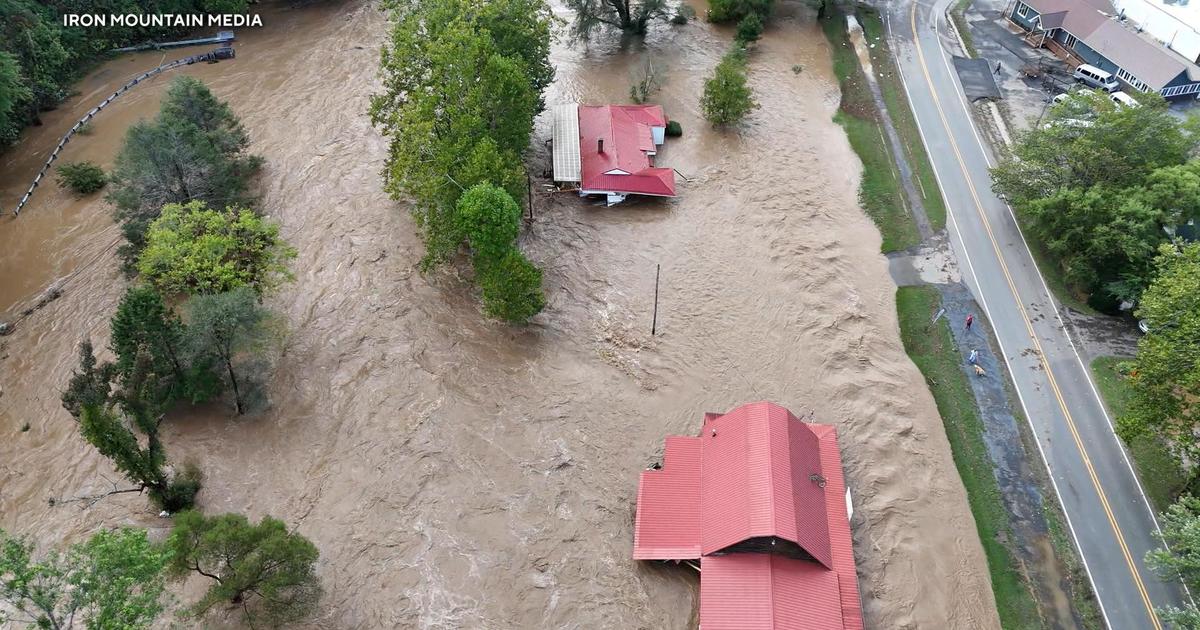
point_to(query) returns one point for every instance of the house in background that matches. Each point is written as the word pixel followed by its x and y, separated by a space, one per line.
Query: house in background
pixel 759 500
pixel 609 150
pixel 1176 24
pixel 1087 31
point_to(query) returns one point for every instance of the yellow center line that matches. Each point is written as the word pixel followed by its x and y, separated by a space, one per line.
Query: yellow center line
pixel 1033 336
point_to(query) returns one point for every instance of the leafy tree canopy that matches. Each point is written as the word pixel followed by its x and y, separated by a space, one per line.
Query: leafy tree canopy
pixel 1179 558
pixel 192 249
pixel 727 97
pixel 194 150
pixel 490 220
pixel 1165 374
pixel 628 16
pixel 228 331
pixel 736 10
pixel 264 568
pixel 512 288
pixel 113 580
pixel 1120 147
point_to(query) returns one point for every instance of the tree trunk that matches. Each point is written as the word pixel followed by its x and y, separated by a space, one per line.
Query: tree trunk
pixel 237 395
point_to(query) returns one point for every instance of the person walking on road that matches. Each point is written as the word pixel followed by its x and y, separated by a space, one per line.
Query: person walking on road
pixel 970 320
pixel 974 357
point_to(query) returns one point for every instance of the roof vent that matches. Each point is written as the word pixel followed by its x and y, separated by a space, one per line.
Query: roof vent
pixel 820 481
pixel 599 145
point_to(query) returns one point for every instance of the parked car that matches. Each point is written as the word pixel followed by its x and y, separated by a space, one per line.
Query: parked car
pixel 1066 95
pixel 1097 78
pixel 1123 100
pixel 1069 122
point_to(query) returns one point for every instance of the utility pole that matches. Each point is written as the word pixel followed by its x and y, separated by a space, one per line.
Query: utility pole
pixel 654 322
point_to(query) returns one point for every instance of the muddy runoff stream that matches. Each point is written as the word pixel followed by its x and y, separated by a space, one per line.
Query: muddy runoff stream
pixel 459 473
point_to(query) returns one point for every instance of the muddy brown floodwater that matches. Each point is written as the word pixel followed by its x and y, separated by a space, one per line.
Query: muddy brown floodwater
pixel 458 473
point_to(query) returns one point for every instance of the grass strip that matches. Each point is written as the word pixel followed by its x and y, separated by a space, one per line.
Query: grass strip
pixel 960 23
pixel 896 101
pixel 881 193
pixel 1163 478
pixel 931 348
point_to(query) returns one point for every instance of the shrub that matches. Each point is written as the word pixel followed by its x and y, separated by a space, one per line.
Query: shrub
pixel 180 493
pixel 674 130
pixel 83 178
pixel 684 14
pixel 749 29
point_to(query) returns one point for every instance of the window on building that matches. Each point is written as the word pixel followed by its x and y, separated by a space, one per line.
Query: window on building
pixel 1132 80
pixel 1023 10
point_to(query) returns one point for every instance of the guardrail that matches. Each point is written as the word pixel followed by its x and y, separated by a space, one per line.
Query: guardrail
pixel 225 52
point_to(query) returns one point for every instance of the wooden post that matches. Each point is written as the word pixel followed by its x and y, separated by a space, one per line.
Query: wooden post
pixel 654 322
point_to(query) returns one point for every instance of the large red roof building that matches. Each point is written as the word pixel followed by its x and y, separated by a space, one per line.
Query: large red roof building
pixel 760 500
pixel 609 150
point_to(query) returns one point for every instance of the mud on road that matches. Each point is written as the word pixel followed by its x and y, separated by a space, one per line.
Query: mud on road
pixel 459 473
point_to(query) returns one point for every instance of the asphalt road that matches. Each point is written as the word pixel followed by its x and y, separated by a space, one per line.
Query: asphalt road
pixel 1108 514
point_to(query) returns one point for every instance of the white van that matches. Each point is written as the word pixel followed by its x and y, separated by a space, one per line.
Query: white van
pixel 1124 100
pixel 1096 77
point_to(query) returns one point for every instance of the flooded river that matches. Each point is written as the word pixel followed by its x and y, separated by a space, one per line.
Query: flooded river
pixel 459 473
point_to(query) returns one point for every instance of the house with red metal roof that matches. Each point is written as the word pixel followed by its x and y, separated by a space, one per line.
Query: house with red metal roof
pixel 609 150
pixel 759 499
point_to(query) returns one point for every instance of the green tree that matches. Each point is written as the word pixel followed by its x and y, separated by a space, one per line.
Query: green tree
pixel 194 150
pixel 1165 374
pixel 1120 148
pixel 83 178
pixel 143 324
pixel 113 580
pixel 490 220
pixel 727 98
pixel 512 288
pixel 228 330
pixel 462 88
pixel 108 417
pixel 192 249
pixel 263 568
pixel 735 10
pixel 629 16
pixel 749 29
pixel 1179 558
pixel 13 91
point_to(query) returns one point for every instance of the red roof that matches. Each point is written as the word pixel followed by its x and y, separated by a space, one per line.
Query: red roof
pixel 627 142
pixel 774 545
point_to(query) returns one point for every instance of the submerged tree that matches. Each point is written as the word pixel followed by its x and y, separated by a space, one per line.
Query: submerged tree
pixel 727 98
pixel 120 416
pixel 263 568
pixel 192 249
pixel 512 288
pixel 490 220
pixel 227 331
pixel 629 16
pixel 194 150
pixel 114 580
